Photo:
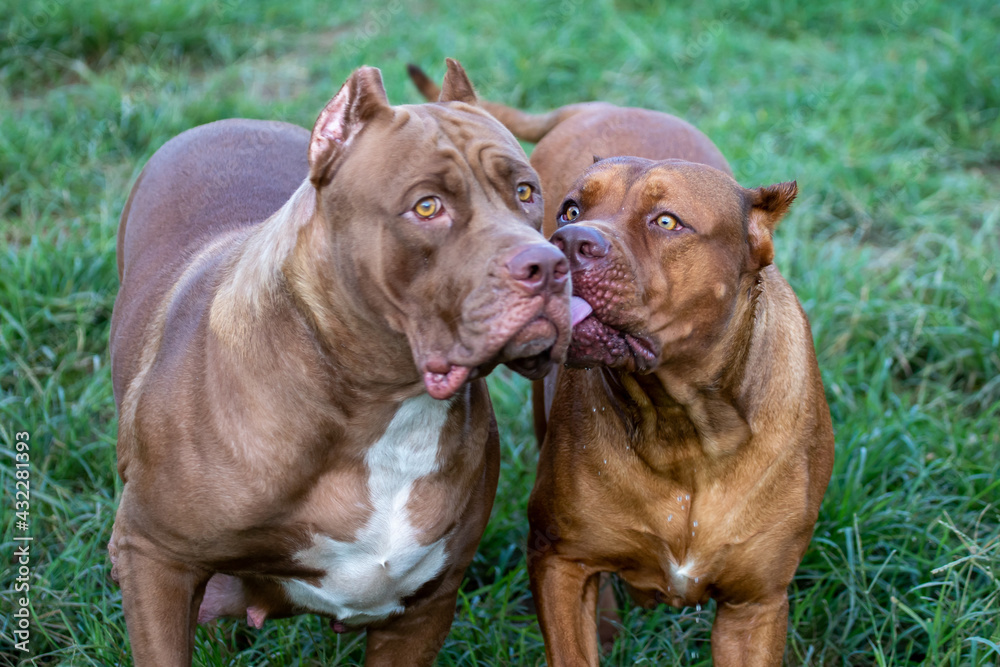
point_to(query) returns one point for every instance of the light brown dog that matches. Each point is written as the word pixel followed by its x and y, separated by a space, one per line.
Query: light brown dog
pixel 295 348
pixel 689 447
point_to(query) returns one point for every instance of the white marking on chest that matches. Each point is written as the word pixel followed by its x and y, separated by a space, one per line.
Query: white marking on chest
pixel 681 576
pixel 366 579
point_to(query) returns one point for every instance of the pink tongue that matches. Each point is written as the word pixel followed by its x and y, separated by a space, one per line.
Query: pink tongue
pixel 578 310
pixel 444 385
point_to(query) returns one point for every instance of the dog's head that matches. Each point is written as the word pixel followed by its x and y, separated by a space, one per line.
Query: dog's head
pixel 660 254
pixel 434 216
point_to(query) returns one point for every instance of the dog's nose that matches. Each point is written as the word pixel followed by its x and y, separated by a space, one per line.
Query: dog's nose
pixel 581 244
pixel 539 266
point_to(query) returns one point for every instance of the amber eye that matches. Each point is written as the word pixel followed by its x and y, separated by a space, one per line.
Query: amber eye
pixel 524 192
pixel 571 213
pixel 427 207
pixel 668 222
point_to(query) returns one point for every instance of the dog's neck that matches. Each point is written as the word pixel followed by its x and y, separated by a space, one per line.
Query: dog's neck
pixel 286 265
pixel 709 388
pixel 253 284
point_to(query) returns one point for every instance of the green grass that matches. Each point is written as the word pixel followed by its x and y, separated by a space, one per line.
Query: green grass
pixel 888 115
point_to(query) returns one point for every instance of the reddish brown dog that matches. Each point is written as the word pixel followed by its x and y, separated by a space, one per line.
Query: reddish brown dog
pixel 295 349
pixel 690 447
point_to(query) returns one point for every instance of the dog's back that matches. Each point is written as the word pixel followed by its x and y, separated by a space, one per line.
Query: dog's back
pixel 186 196
pixel 186 191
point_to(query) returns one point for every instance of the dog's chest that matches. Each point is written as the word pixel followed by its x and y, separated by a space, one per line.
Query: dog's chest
pixel 366 579
pixel 701 543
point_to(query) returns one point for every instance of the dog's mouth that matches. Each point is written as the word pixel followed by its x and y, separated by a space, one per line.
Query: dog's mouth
pixel 579 310
pixel 595 342
pixel 535 344
pixel 444 382
pixel 523 325
pixel 530 351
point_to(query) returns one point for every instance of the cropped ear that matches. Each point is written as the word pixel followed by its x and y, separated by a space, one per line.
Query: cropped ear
pixel 359 100
pixel 597 158
pixel 767 206
pixel 456 86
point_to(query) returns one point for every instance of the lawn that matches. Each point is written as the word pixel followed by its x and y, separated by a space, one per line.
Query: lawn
pixel 886 112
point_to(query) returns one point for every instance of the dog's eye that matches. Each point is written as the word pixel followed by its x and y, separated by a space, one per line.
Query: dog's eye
pixel 427 207
pixel 668 222
pixel 525 192
pixel 570 213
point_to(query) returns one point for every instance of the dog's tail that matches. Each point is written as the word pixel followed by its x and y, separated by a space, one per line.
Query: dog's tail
pixel 524 126
pixel 430 90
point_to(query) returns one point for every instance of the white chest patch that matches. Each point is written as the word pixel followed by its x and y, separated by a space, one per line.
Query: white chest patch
pixel 682 576
pixel 366 579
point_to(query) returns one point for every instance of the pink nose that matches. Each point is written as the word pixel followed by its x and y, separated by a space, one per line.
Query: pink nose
pixel 581 244
pixel 538 267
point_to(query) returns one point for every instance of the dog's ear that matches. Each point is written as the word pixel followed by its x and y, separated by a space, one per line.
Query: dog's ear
pixel 359 100
pixel 597 158
pixel 456 86
pixel 767 206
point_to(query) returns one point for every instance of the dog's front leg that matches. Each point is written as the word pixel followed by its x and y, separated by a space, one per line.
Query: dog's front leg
pixel 566 594
pixel 160 599
pixel 415 637
pixel 751 634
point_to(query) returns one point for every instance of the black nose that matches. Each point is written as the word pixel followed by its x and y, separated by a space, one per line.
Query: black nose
pixel 581 244
pixel 538 267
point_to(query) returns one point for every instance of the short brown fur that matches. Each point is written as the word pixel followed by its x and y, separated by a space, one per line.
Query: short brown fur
pixel 695 472
pixel 280 301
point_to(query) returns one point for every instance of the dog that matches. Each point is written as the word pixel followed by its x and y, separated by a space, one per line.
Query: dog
pixel 689 445
pixel 298 351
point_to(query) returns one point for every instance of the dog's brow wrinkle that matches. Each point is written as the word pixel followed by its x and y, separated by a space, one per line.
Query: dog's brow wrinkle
pixel 482 163
pixel 448 174
pixel 455 128
pixel 656 189
pixel 503 166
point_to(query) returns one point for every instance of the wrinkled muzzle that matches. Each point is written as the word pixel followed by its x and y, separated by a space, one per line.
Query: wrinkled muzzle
pixel 517 313
pixel 608 320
